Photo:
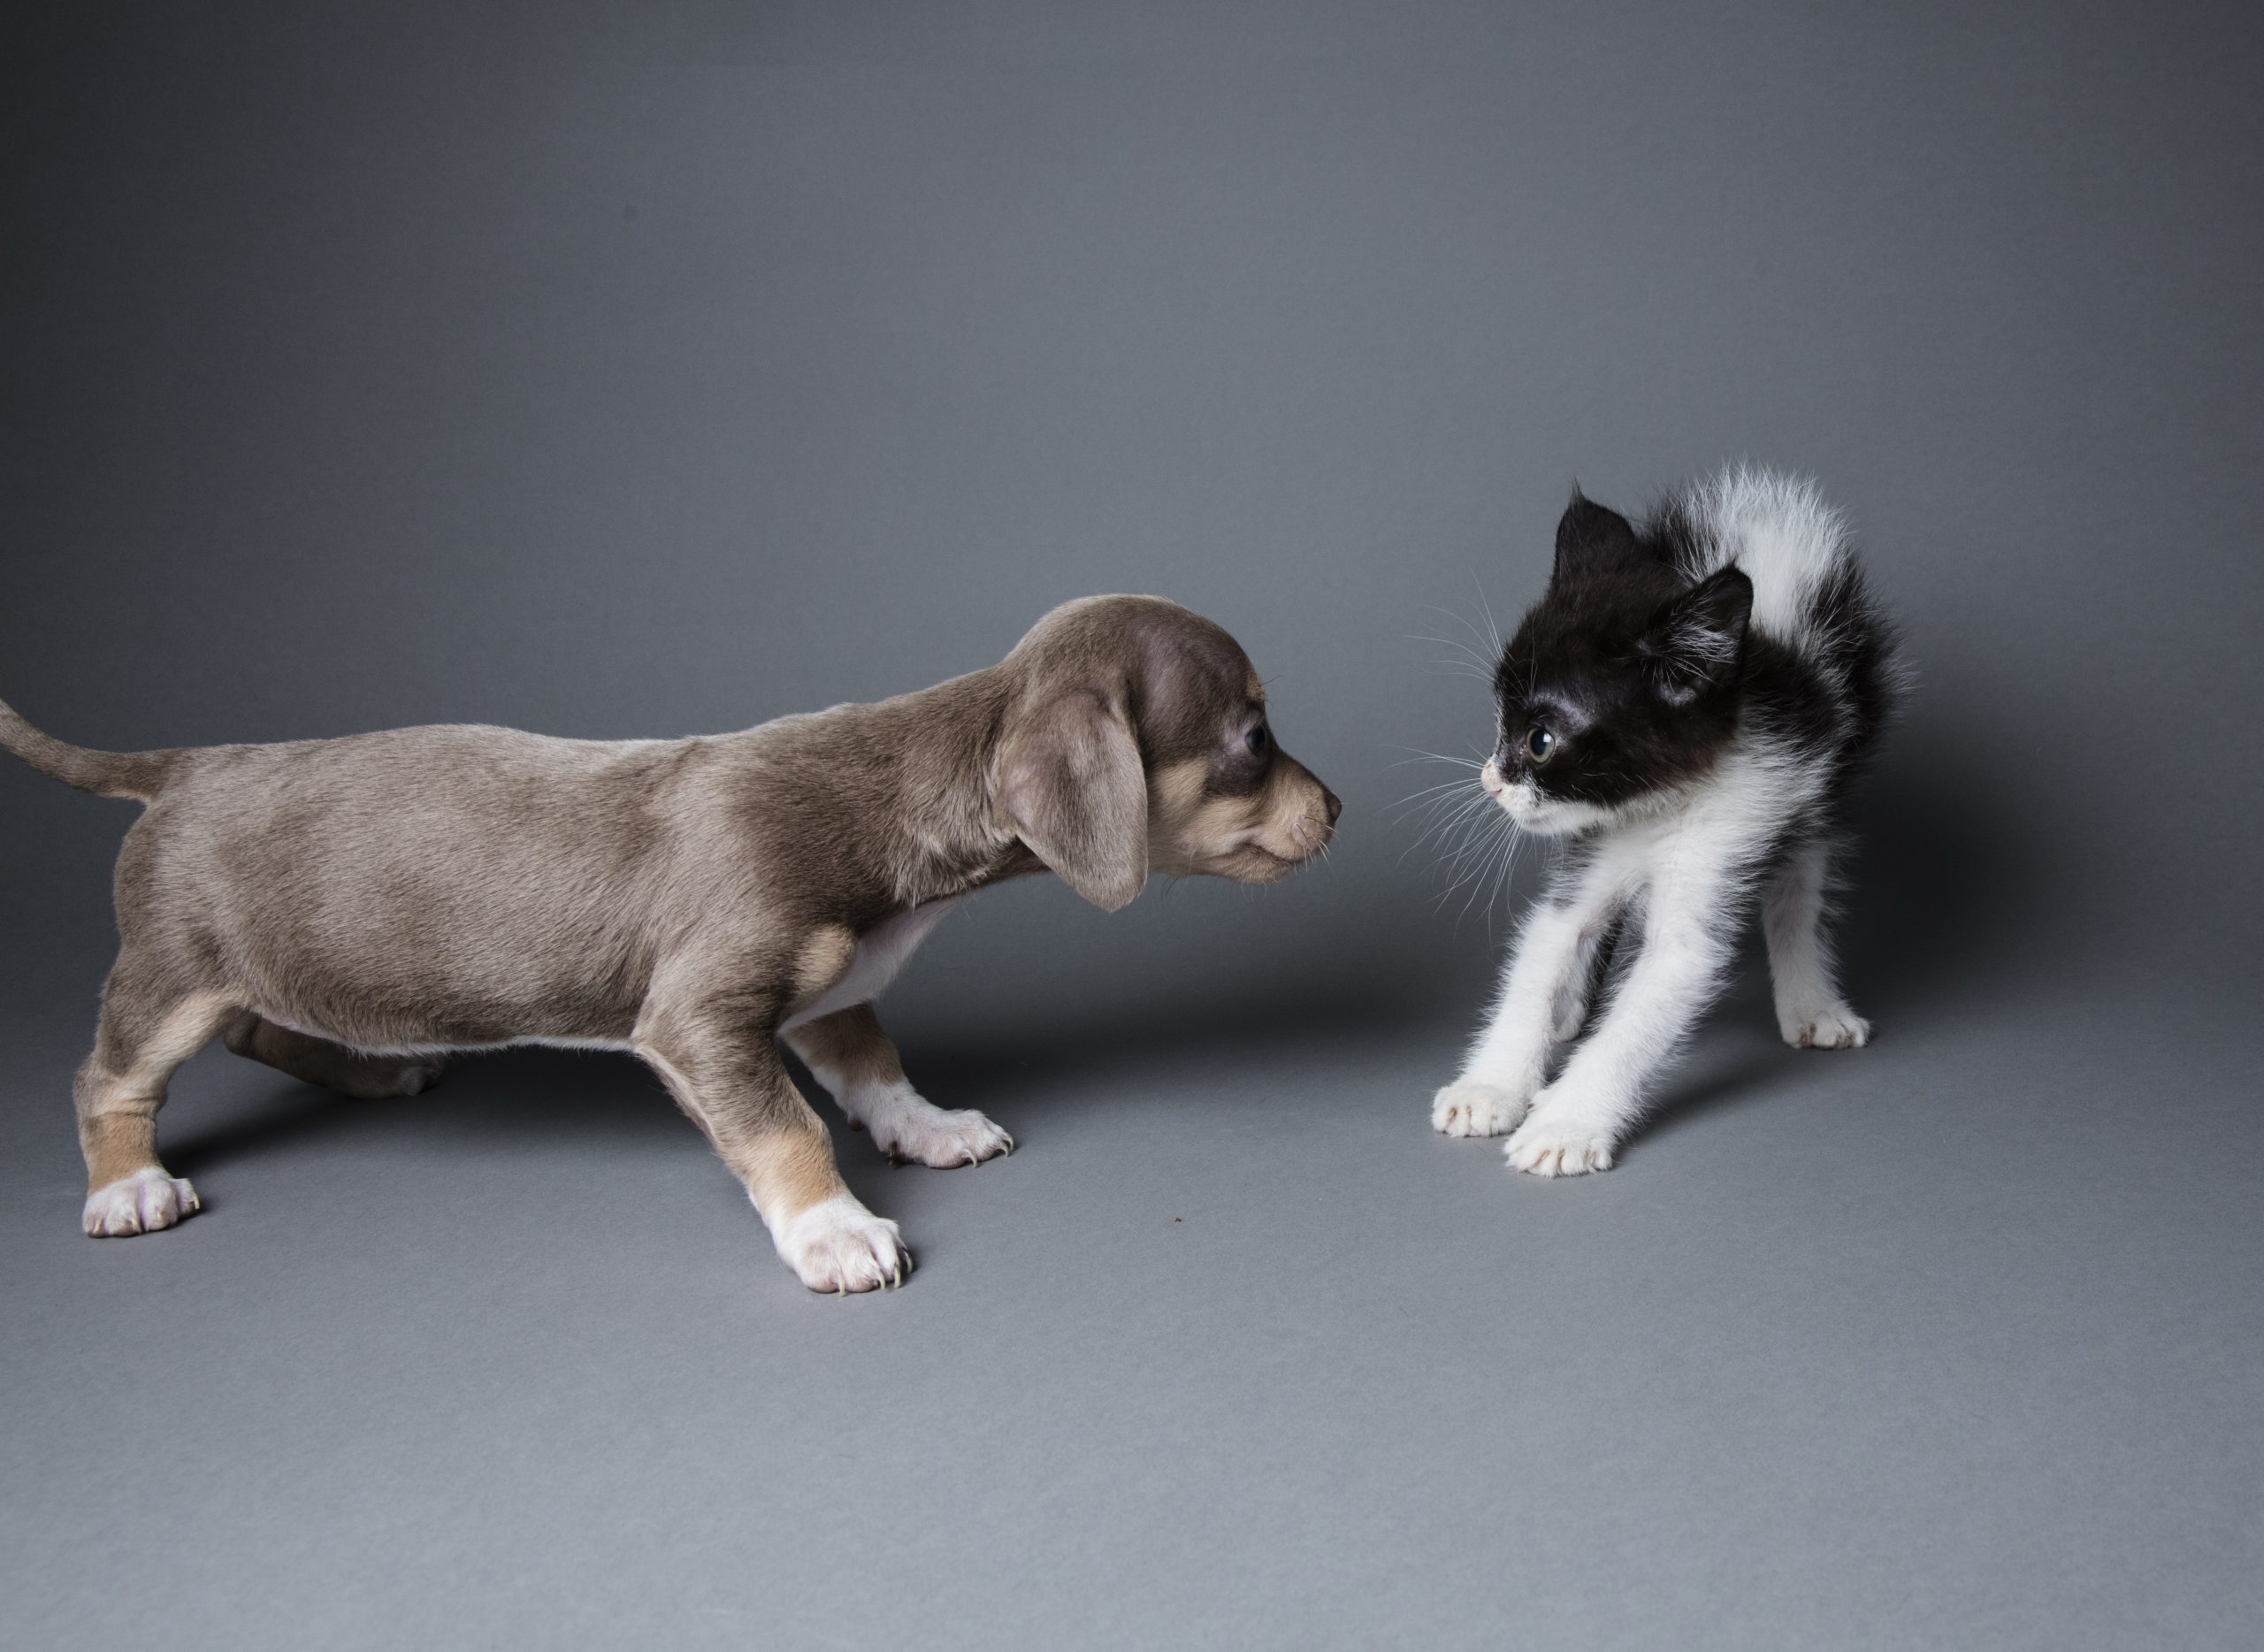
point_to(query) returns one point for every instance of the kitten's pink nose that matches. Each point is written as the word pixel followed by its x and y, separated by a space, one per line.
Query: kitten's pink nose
pixel 1490 777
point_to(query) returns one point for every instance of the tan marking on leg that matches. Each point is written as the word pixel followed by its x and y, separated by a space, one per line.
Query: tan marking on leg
pixel 784 1169
pixel 118 1110
pixel 116 1145
pixel 788 1172
pixel 823 959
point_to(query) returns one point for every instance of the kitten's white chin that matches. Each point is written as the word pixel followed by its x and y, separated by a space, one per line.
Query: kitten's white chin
pixel 1547 817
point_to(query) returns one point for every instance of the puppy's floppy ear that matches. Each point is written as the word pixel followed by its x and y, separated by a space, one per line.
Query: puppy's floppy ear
pixel 1697 640
pixel 1589 532
pixel 1070 781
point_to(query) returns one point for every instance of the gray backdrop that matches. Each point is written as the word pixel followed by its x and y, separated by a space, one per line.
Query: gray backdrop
pixel 669 371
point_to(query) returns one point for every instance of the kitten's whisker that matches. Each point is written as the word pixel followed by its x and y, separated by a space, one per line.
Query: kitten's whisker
pixel 1475 657
pixel 1436 757
pixel 1456 784
pixel 1467 865
pixel 1463 621
pixel 1469 853
pixel 1460 819
pixel 1492 628
pixel 1481 884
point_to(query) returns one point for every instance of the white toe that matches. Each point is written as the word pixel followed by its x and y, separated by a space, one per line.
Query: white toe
pixel 1835 1027
pixel 838 1245
pixel 142 1202
pixel 906 1125
pixel 1545 1149
pixel 1470 1108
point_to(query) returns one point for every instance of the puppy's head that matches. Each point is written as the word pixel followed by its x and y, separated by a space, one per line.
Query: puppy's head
pixel 1137 741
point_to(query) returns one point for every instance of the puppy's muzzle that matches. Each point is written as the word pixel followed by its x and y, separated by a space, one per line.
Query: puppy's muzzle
pixel 1312 832
pixel 1309 832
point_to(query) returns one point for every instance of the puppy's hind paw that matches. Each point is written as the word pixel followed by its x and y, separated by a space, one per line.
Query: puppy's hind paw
pixel 1835 1027
pixel 417 1077
pixel 1543 1149
pixel 140 1204
pixel 839 1247
pixel 372 1079
pixel 1467 1107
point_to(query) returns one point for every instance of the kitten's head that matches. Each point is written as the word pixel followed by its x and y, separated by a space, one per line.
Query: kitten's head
pixel 1622 682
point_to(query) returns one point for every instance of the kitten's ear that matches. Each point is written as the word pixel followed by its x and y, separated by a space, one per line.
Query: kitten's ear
pixel 1696 641
pixel 1588 531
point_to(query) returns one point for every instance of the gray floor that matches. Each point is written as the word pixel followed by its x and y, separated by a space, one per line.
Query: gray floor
pixel 1950 1342
pixel 646 370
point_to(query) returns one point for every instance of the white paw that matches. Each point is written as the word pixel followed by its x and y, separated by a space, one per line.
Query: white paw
pixel 1835 1027
pixel 839 1246
pixel 907 1126
pixel 140 1204
pixel 1466 1107
pixel 1547 1148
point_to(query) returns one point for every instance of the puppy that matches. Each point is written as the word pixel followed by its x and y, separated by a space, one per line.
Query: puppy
pixel 351 911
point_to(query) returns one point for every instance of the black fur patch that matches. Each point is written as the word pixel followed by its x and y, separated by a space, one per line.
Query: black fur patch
pixel 1638 666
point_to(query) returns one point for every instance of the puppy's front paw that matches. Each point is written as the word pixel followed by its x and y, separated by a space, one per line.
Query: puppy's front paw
pixel 140 1204
pixel 1545 1147
pixel 1467 1107
pixel 836 1245
pixel 906 1125
pixel 1834 1027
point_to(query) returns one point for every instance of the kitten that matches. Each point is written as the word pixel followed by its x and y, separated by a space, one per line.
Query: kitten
pixel 1686 707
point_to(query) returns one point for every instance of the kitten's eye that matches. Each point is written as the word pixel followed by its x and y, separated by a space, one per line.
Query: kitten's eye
pixel 1540 744
pixel 1256 740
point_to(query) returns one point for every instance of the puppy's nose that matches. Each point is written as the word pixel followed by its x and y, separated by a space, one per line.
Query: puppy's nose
pixel 1334 804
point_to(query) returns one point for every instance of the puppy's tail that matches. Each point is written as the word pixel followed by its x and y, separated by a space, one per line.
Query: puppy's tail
pixel 136 775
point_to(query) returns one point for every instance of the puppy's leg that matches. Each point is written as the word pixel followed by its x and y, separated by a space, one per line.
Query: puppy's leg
pixel 852 1057
pixel 1576 1124
pixel 150 1025
pixel 1544 999
pixel 332 1066
pixel 1810 1012
pixel 727 1074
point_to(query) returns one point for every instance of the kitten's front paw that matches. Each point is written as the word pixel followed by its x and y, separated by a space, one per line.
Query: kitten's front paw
pixel 1545 1147
pixel 1467 1107
pixel 1835 1027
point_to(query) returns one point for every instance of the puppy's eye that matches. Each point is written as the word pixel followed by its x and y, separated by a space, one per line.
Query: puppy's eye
pixel 1256 740
pixel 1540 744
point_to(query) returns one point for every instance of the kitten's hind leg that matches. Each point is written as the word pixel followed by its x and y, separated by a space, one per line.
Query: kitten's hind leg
pixel 331 1066
pixel 1810 1012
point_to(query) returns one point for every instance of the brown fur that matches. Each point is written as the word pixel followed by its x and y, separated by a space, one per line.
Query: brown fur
pixel 348 910
pixel 849 1043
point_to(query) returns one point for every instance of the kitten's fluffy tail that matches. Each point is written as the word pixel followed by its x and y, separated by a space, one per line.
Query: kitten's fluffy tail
pixel 136 775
